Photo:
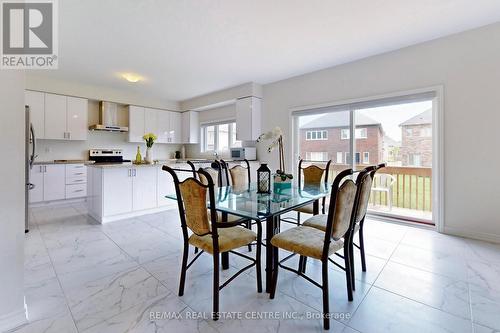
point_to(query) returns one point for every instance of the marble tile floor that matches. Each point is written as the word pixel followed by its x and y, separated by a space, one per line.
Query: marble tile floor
pixel 81 276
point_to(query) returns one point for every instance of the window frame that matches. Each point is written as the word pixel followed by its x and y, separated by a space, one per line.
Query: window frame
pixel 203 136
pixel 366 157
pixel 316 135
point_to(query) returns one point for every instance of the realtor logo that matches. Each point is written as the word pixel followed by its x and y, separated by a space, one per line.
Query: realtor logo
pixel 29 34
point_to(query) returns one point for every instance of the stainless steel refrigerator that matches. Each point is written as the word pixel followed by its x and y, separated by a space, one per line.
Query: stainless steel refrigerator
pixel 30 155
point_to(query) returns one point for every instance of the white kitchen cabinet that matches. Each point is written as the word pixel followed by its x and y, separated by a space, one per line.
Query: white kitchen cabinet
pixel 190 127
pixel 163 126
pixel 77 118
pixel 66 118
pixel 55 117
pixel 136 123
pixel 151 121
pixel 165 187
pixel 36 178
pixel 248 118
pixel 117 191
pixel 36 101
pixel 54 182
pixel 175 127
pixel 144 188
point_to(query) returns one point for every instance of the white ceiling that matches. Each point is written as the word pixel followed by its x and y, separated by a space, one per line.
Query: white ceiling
pixel 186 48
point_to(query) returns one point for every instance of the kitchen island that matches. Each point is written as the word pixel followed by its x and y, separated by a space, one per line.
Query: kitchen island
pixel 123 190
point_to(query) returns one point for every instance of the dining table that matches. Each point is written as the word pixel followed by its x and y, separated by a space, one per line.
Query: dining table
pixel 246 202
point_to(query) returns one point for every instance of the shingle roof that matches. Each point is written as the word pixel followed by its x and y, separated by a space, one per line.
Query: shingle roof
pixel 420 119
pixel 339 119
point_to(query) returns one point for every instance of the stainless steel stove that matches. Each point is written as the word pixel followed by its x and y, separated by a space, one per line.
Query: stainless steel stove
pixel 107 156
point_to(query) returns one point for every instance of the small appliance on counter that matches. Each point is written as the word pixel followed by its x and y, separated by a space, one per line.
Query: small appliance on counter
pixel 244 153
pixel 107 156
pixel 177 155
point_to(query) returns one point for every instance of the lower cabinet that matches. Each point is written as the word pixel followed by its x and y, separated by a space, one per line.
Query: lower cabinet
pixel 53 182
pixel 144 188
pixel 116 192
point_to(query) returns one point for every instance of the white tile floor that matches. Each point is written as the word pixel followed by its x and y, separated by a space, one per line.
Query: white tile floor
pixel 86 277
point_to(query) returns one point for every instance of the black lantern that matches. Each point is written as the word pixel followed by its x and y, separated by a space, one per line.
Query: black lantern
pixel 263 179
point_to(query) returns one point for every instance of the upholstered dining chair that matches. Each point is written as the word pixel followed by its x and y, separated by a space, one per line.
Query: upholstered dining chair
pixel 202 229
pixel 311 173
pixel 236 173
pixel 364 182
pixel 317 244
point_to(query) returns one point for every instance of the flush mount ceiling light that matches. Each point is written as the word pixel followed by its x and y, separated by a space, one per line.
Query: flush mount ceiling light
pixel 131 77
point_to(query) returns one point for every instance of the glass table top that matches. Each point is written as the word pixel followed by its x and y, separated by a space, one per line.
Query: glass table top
pixel 246 202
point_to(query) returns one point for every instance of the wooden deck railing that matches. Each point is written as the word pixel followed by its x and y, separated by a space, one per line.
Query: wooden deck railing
pixel 412 188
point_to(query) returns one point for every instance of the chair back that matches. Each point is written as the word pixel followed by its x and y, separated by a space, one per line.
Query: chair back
pixel 310 173
pixel 213 168
pixel 365 182
pixel 192 201
pixel 237 175
pixel 384 180
pixel 342 201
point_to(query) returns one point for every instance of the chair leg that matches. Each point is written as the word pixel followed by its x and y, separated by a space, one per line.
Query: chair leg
pixel 257 263
pixel 183 269
pixel 249 227
pixel 275 272
pixel 215 307
pixel 326 302
pixel 304 264
pixel 195 250
pixel 348 278
pixel 298 218
pixel 362 249
pixel 351 264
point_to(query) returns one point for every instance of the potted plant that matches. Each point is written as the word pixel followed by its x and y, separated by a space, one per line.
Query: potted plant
pixel 282 180
pixel 150 139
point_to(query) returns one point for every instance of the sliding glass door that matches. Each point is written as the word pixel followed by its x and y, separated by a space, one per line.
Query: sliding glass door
pixel 396 132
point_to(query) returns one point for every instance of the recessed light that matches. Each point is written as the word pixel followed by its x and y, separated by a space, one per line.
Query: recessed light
pixel 131 77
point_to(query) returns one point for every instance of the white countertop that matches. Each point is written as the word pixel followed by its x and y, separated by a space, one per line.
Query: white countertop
pixel 132 165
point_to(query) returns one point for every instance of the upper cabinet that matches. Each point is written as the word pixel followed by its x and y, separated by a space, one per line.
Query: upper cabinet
pixel 190 127
pixel 166 125
pixel 58 117
pixel 36 102
pixel 248 118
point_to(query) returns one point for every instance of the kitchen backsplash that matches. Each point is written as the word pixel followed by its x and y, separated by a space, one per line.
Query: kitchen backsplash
pixel 49 150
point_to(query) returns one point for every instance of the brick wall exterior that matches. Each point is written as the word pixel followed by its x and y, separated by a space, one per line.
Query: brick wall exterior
pixel 418 142
pixel 372 144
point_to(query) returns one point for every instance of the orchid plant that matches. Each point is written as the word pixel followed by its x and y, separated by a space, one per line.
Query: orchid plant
pixel 276 137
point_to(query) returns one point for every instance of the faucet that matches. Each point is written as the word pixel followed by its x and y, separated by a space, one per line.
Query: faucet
pixel 216 155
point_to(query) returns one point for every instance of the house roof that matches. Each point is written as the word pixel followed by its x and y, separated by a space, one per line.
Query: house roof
pixel 420 119
pixel 339 119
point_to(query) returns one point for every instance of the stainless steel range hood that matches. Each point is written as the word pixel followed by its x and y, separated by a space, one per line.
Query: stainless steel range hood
pixel 108 118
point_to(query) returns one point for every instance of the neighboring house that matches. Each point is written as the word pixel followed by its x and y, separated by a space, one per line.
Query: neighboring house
pixel 327 137
pixel 391 151
pixel 416 143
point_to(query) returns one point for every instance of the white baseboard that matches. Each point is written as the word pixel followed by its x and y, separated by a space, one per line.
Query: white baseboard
pixel 13 320
pixel 57 202
pixel 493 238
pixel 106 219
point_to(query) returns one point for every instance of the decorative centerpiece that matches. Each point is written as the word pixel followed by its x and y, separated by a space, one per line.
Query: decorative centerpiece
pixel 150 139
pixel 263 179
pixel 282 180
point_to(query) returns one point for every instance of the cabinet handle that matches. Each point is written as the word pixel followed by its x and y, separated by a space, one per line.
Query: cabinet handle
pixel 130 172
pixel 69 135
pixel 135 172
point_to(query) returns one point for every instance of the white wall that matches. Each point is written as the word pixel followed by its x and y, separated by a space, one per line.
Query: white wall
pixel 12 187
pixel 468 66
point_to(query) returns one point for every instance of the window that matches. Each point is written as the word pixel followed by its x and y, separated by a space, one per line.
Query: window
pixel 414 160
pixel 409 131
pixel 317 156
pixel 426 132
pixel 219 137
pixel 366 157
pixel 340 157
pixel 361 133
pixel 317 135
pixel 358 158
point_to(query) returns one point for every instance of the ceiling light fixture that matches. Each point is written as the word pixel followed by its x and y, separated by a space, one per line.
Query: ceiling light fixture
pixel 131 77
